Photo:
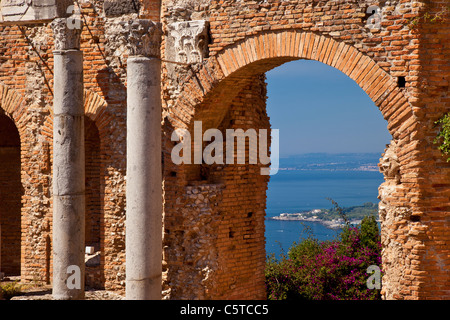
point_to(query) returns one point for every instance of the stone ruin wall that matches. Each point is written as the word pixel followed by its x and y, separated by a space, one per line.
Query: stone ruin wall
pixel 412 223
pixel 213 237
pixel 238 247
pixel 27 74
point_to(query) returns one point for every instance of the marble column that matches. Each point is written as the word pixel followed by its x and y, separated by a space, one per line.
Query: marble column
pixel 68 164
pixel 144 177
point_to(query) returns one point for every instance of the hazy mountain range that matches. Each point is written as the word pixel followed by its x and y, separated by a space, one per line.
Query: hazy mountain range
pixel 331 161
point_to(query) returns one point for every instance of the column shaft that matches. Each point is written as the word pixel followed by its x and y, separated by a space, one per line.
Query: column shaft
pixel 68 176
pixel 144 180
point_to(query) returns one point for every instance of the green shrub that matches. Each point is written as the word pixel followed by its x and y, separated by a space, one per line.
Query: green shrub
pixel 370 234
pixel 327 270
pixel 306 249
pixel 9 290
pixel 443 136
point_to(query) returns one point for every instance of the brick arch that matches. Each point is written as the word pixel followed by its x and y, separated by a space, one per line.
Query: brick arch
pixel 211 91
pixel 262 52
pixel 13 104
pixel 95 108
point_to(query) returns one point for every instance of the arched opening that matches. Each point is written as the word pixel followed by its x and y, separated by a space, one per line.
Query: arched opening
pixel 10 198
pixel 229 92
pixel 330 146
pixel 94 274
pixel 93 192
pixel 241 228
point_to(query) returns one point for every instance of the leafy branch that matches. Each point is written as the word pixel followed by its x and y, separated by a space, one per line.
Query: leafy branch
pixel 443 136
pixel 438 17
pixel 340 211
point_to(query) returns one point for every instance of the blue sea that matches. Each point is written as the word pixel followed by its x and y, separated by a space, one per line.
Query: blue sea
pixel 292 191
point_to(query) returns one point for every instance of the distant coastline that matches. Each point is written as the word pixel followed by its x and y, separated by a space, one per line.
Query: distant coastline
pixel 330 218
pixel 332 224
pixel 331 162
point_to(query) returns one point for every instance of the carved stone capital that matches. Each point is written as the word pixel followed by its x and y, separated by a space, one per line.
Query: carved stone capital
pixel 66 36
pixel 144 37
pixel 188 41
pixel 140 37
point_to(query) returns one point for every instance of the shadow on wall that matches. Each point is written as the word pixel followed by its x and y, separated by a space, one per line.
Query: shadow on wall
pixel 10 198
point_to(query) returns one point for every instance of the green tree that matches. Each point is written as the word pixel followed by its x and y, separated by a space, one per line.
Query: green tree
pixel 370 234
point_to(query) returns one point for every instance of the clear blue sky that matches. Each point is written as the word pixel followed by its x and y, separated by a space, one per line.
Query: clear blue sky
pixel 317 108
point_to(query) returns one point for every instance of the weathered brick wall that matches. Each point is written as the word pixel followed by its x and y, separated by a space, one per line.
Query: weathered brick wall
pixel 430 260
pixel 249 38
pixel 415 228
pixel 241 240
pixel 237 249
pixel 22 76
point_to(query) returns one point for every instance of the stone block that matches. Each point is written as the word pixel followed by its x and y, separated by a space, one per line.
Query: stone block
pixel 25 12
pixel 89 250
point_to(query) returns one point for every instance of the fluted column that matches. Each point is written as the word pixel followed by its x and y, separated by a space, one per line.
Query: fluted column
pixel 68 164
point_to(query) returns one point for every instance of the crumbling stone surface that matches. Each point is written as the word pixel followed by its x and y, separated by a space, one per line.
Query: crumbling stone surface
pixel 114 8
pixel 181 10
pixel 389 165
pixel 197 263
